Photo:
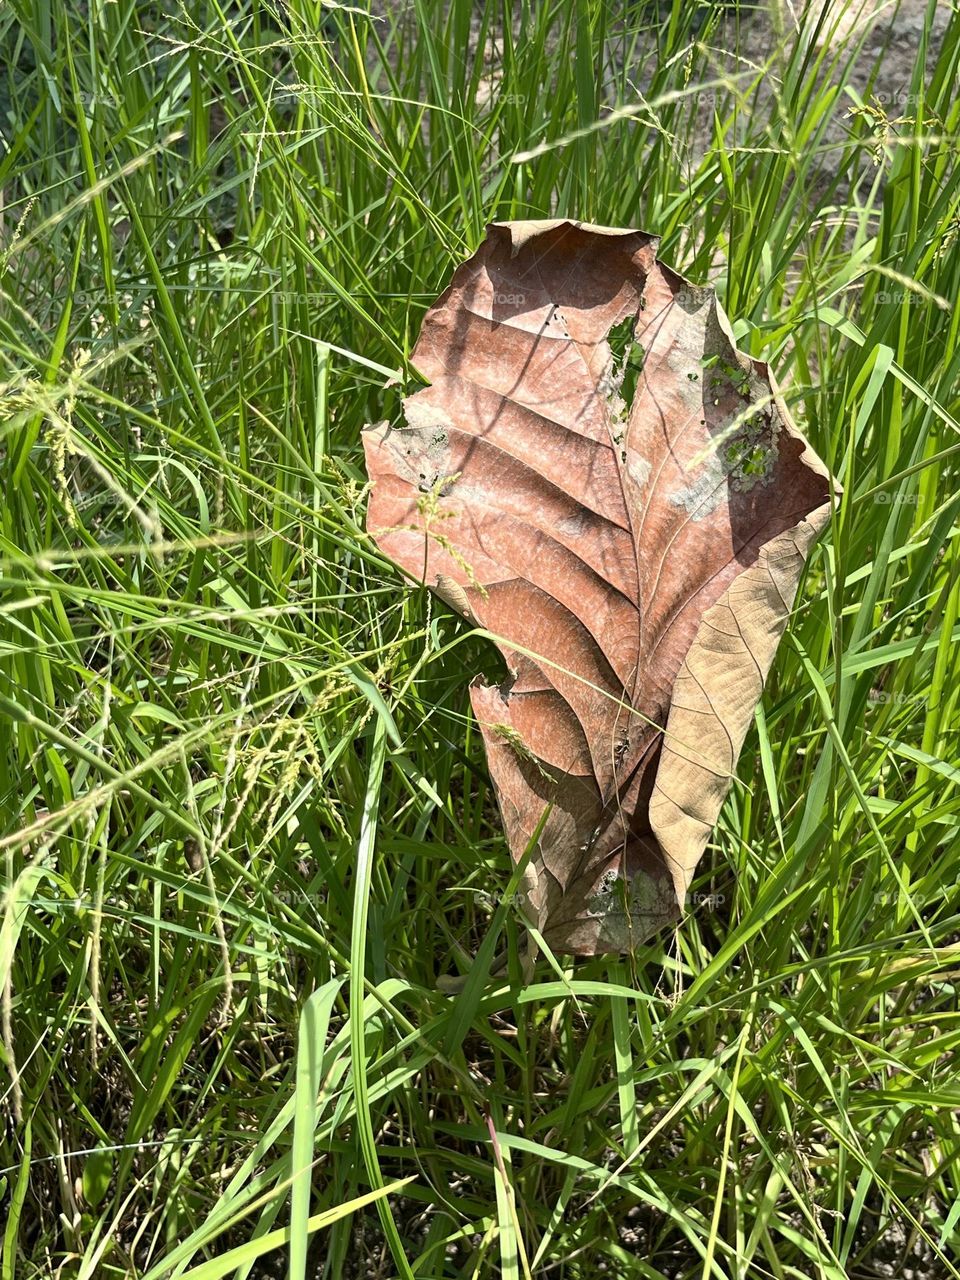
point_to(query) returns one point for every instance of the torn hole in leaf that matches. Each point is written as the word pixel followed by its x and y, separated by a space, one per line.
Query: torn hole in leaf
pixel 626 365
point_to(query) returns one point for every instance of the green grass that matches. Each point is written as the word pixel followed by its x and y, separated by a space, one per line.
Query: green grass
pixel 245 821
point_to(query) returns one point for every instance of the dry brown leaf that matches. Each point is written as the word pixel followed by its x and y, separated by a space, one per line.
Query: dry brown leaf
pixel 636 549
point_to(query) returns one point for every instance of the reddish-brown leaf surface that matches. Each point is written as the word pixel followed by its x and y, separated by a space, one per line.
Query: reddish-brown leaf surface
pixel 597 477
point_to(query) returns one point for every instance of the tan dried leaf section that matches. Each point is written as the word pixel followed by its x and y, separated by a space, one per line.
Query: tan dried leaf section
pixel 596 476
